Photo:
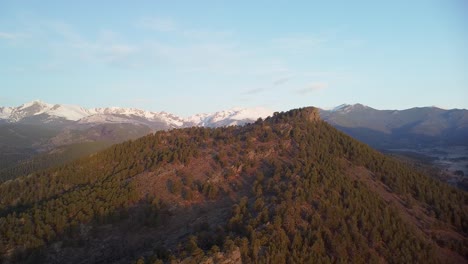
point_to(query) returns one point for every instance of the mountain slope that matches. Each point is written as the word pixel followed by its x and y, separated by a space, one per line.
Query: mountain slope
pixel 415 127
pixel 289 189
pixel 30 131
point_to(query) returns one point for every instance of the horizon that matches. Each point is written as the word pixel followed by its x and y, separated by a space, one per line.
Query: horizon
pixel 205 57
pixel 235 108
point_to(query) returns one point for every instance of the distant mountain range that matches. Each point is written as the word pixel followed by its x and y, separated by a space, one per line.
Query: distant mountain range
pixel 38 135
pixel 411 128
pixel 37 112
pixel 383 129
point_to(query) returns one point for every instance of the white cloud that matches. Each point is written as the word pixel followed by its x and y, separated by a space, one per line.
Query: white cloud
pixel 157 24
pixel 313 87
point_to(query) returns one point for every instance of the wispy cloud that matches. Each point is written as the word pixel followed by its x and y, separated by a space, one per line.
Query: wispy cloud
pixel 209 56
pixel 312 87
pixel 70 45
pixel 200 50
pixel 117 52
pixel 204 34
pixel 254 91
pixel 157 24
pixel 282 80
pixel 10 36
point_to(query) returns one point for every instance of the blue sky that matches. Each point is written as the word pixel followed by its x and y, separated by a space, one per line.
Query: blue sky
pixel 187 57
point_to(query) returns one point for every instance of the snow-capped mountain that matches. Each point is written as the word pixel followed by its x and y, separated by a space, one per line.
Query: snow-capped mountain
pixel 44 111
pixel 5 112
pixel 339 108
pixel 41 112
pixel 235 116
pixel 346 108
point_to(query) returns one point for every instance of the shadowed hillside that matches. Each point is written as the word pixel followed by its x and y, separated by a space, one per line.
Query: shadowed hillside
pixel 287 189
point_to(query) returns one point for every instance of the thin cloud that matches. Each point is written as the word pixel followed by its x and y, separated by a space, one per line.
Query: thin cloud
pixel 107 47
pixel 254 91
pixel 205 51
pixel 282 80
pixel 117 52
pixel 157 24
pixel 217 57
pixel 313 87
pixel 204 34
pixel 10 36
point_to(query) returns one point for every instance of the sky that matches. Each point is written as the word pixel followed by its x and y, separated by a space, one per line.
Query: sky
pixel 187 57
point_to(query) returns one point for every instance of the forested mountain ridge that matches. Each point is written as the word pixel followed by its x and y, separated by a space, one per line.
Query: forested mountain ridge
pixel 32 131
pixel 29 133
pixel 287 189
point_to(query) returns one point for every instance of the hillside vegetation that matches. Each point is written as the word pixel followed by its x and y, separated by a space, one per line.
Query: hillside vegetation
pixel 287 189
pixel 28 148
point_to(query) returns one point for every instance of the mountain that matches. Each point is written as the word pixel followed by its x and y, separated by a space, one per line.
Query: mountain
pixel 232 117
pixel 415 127
pixel 429 137
pixel 286 189
pixel 38 112
pixel 432 135
pixel 38 128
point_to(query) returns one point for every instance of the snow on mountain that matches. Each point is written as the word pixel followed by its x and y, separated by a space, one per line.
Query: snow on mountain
pixel 131 115
pixel 104 118
pixel 346 108
pixel 235 116
pixel 171 119
pixel 69 112
pixel 28 109
pixel 36 108
pixel 80 115
pixel 340 107
pixel 121 111
pixel 198 119
pixel 5 112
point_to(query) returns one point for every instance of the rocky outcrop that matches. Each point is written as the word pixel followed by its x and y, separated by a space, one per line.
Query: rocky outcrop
pixel 232 257
pixel 310 114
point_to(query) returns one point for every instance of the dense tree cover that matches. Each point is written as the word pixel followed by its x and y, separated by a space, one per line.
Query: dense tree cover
pixel 10 156
pixel 296 202
pixel 56 157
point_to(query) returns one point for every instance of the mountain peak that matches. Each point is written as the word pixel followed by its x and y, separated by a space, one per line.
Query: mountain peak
pixel 340 107
pixel 233 116
pixel 34 103
pixel 346 108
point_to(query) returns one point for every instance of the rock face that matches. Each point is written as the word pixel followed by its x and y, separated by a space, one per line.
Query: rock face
pixel 310 114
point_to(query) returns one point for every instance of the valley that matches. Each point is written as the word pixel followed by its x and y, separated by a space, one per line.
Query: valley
pixel 452 162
